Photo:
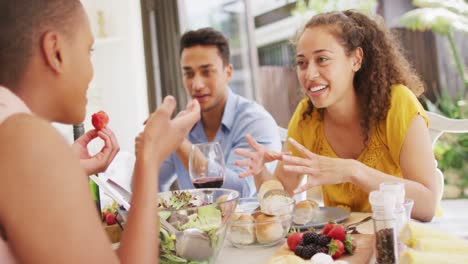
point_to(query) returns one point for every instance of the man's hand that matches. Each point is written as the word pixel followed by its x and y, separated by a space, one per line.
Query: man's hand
pixel 101 161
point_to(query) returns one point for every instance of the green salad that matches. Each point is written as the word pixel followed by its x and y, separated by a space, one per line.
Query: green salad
pixel 184 215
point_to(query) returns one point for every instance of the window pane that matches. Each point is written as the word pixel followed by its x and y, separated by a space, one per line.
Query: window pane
pixel 229 17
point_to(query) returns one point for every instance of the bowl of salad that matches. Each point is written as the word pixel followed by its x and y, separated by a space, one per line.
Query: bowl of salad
pixel 194 224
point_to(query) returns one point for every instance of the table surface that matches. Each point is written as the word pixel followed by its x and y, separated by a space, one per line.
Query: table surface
pixel 232 255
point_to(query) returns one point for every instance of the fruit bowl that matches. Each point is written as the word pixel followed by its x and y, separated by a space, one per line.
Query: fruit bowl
pixel 204 212
pixel 252 228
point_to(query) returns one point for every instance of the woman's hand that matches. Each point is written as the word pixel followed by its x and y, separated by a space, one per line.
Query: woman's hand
pixel 101 161
pixel 256 159
pixel 320 169
pixel 161 135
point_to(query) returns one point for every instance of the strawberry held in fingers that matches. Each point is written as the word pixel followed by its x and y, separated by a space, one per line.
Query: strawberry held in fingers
pixel 100 120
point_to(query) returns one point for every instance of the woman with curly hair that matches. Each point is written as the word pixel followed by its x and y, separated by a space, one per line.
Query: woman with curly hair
pixel 360 123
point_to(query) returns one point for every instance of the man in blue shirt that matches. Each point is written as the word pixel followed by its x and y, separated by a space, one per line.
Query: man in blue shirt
pixel 225 116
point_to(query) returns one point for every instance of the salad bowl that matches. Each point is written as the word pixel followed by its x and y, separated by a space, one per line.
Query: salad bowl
pixel 193 230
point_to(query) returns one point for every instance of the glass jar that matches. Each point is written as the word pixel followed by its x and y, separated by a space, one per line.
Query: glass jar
pixel 385 227
pixel 397 189
pixel 385 241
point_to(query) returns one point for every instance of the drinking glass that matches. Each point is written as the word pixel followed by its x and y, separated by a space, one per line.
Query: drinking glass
pixel 206 166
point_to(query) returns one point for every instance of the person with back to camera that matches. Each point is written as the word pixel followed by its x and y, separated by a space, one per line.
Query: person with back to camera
pixel 47 214
pixel 360 124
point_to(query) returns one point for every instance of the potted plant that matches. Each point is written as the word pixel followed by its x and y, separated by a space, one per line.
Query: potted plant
pixel 444 18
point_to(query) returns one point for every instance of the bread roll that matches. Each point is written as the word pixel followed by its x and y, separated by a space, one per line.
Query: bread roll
pixel 243 230
pixel 269 229
pixel 267 186
pixel 277 205
pixel 305 211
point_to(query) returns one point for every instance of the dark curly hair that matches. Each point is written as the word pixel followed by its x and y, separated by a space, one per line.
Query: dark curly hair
pixel 383 62
pixel 206 37
pixel 22 24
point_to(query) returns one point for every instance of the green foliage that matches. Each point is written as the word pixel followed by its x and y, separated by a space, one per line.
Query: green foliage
pixel 451 150
pixel 439 20
pixel 444 17
pixel 441 17
pixel 457 6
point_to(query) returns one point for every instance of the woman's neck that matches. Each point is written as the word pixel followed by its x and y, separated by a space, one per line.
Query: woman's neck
pixel 345 113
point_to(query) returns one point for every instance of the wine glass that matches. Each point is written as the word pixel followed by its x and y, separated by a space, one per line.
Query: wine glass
pixel 206 166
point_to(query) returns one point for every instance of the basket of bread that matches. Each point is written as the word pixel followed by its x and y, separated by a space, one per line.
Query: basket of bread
pixel 266 219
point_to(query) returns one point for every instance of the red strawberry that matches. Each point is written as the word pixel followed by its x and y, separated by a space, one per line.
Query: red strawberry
pixel 328 227
pixel 293 240
pixel 110 219
pixel 104 215
pixel 335 248
pixel 100 120
pixel 350 244
pixel 338 232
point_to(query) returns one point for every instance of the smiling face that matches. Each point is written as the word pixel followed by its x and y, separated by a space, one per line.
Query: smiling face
pixel 205 76
pixel 323 68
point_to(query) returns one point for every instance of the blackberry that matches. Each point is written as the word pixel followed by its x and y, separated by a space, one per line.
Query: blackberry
pixel 323 250
pixel 323 240
pixel 309 250
pixel 298 250
pixel 310 238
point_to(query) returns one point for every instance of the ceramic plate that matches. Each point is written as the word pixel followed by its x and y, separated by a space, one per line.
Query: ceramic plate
pixel 326 214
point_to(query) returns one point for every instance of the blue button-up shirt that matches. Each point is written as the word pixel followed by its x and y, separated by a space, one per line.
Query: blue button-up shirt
pixel 240 117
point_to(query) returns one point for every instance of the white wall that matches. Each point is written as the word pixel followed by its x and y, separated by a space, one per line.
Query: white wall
pixel 119 84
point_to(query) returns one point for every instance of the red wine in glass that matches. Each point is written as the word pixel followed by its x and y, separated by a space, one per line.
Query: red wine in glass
pixel 207 168
pixel 208 182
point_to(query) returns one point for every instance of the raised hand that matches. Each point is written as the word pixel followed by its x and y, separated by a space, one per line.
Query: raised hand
pixel 320 169
pixel 161 135
pixel 101 161
pixel 256 158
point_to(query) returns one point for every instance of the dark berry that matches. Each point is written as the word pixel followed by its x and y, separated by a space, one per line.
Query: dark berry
pixel 298 250
pixel 323 240
pixel 309 251
pixel 323 250
pixel 310 238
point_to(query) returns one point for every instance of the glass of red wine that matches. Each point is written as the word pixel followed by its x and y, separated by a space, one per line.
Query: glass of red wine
pixel 206 166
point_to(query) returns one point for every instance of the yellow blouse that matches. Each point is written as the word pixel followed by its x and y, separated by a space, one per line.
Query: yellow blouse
pixel 381 153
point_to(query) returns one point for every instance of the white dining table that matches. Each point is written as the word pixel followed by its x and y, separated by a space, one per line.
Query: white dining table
pixel 260 255
pixel 453 222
